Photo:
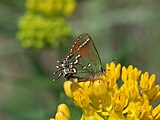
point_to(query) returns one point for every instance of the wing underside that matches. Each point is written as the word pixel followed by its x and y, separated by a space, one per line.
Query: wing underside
pixel 89 61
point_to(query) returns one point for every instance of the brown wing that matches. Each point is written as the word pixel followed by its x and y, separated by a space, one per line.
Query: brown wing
pixel 85 47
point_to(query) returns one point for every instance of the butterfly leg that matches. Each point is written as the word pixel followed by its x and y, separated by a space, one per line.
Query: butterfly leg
pixel 59 69
pixel 60 74
pixel 56 72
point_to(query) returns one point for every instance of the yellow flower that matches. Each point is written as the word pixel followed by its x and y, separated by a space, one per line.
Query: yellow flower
pixel 119 101
pixel 69 7
pixel 87 87
pixel 156 113
pixel 150 91
pixel 84 102
pixel 37 31
pixel 44 23
pixel 101 98
pixel 67 85
pixel 130 88
pixel 112 74
pixel 81 98
pixel 147 83
pixel 52 7
pixel 63 113
pixel 130 73
pixel 139 111
pixel 99 88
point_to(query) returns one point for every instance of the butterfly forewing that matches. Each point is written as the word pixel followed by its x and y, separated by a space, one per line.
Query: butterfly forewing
pixel 85 47
pixel 85 56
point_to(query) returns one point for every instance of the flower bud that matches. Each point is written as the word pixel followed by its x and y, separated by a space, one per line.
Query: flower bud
pixel 67 89
pixel 63 112
pixel 156 112
pixel 99 88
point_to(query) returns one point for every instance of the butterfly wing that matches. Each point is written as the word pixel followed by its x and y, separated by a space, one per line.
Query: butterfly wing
pixel 87 58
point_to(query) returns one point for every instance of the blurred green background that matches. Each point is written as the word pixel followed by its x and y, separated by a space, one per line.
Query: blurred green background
pixel 33 38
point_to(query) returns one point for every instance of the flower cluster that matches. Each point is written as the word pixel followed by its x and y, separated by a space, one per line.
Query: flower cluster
pixel 38 32
pixel 101 98
pixel 44 23
pixel 51 7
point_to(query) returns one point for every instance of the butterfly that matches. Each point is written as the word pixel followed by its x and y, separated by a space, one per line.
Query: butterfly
pixel 82 62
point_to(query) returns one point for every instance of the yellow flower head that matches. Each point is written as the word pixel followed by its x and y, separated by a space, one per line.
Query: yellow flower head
pixel 51 7
pixel 44 23
pixel 101 97
pixel 130 88
pixel 150 91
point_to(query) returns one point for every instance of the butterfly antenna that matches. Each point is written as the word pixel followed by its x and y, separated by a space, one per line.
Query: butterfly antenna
pixel 114 59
